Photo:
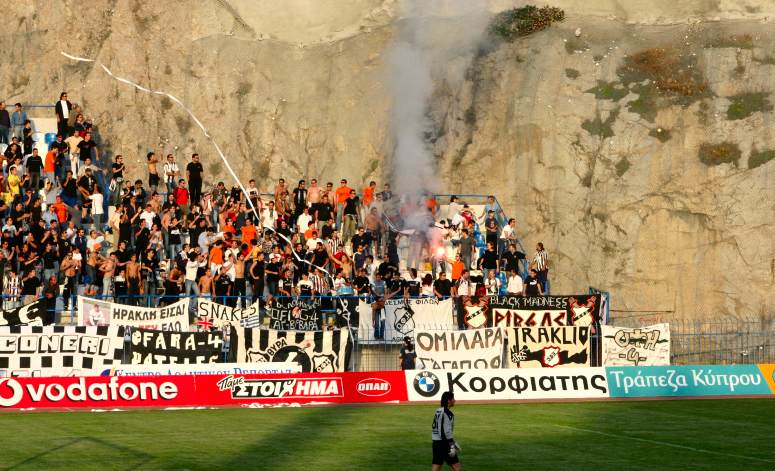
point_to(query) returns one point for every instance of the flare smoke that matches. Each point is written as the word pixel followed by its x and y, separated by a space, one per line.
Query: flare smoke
pixel 433 38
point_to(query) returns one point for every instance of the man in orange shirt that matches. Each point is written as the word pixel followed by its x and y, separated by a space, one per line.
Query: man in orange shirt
pixel 248 231
pixel 457 268
pixel 60 209
pixel 49 166
pixel 368 194
pixel 216 255
pixel 342 193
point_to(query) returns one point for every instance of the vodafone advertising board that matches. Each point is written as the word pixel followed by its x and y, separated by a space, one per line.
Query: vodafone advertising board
pixel 507 384
pixel 200 390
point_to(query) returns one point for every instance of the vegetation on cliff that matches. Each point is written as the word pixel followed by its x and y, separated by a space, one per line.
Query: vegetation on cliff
pixel 511 24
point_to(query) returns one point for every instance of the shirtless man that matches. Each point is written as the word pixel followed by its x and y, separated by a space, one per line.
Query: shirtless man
pixel 313 193
pixel 153 172
pixel 133 278
pixel 69 267
pixel 108 268
pixel 239 279
pixel 206 284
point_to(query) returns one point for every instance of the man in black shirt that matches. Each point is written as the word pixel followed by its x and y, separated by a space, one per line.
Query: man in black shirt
pixel 361 239
pixel 194 171
pixel 34 167
pixel 511 258
pixel 30 287
pixel 323 212
pixel 85 147
pixel 299 199
pixel 350 216
pixel 442 287
pixel 361 283
pixel 387 267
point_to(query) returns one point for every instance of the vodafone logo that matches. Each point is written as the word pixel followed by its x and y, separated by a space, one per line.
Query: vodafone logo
pixel 79 392
pixel 16 395
pixel 373 387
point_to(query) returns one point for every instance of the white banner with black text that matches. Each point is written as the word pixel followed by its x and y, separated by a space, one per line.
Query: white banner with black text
pixel 94 312
pixel 459 349
pixel 639 346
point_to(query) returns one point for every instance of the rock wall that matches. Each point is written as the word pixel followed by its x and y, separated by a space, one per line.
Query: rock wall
pixel 638 152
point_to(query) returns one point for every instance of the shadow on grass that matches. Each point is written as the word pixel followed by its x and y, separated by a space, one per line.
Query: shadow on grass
pixel 43 459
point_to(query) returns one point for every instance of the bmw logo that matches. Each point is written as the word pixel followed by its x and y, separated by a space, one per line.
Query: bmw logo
pixel 426 384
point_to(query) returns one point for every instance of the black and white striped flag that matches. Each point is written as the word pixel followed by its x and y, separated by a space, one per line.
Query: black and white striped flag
pixel 59 350
pixel 318 352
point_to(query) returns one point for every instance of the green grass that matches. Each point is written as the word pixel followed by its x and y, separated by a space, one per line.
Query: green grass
pixel 707 434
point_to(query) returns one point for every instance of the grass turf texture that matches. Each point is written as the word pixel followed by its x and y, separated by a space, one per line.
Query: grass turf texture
pixel 706 434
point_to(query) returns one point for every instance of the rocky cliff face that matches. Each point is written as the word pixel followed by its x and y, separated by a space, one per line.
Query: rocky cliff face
pixel 638 152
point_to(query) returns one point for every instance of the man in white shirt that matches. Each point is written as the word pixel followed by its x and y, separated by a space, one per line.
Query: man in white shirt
pixel 171 173
pixel 464 287
pixel 515 284
pixel 147 216
pixel 304 220
pixel 268 216
pixel 312 242
pixel 195 262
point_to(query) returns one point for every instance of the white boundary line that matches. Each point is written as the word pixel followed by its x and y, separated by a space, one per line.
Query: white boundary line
pixel 657 442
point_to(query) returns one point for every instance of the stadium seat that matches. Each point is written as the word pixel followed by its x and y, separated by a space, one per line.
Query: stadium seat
pixel 50 137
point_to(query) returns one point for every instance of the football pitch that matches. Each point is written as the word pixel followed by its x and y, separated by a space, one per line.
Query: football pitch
pixel 702 434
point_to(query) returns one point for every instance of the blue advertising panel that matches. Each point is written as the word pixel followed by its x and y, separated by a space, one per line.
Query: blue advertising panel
pixel 694 380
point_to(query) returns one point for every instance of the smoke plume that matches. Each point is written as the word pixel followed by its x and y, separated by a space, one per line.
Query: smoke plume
pixel 433 37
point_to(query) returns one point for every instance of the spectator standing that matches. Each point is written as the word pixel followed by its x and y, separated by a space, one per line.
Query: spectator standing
pixel 508 236
pixel 18 118
pixel 489 261
pixel 171 173
pixel 541 265
pixel 492 228
pixel 299 199
pixel 467 246
pixel 62 110
pixel 194 171
pixel 34 166
pixel 5 124
pixel 407 355
pixel 342 193
pixel 350 216
pixel 153 171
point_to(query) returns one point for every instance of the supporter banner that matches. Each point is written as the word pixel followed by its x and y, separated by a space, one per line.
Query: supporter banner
pixel 461 349
pixel 548 347
pixel 347 314
pixel 643 346
pixel 156 347
pixel 59 350
pixel 317 352
pixel 532 311
pixel 30 314
pixel 221 317
pixel 695 380
pixel 476 311
pixel 400 317
pixel 498 385
pixel 202 369
pixel 95 312
pixel 201 390
pixel 293 314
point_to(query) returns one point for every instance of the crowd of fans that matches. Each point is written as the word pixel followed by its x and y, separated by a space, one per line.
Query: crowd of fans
pixel 76 224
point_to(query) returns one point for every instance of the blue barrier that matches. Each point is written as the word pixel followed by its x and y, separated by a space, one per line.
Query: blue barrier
pixel 686 381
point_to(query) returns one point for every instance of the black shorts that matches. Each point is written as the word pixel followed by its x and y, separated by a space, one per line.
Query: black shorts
pixel 441 454
pixel 153 179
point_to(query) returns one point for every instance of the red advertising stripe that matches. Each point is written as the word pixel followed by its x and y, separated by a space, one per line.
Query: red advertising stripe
pixel 96 392
pixel 200 390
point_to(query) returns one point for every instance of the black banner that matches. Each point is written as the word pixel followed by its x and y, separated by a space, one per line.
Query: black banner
pixel 30 314
pixel 293 314
pixel 152 347
pixel 347 312
pixel 543 311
